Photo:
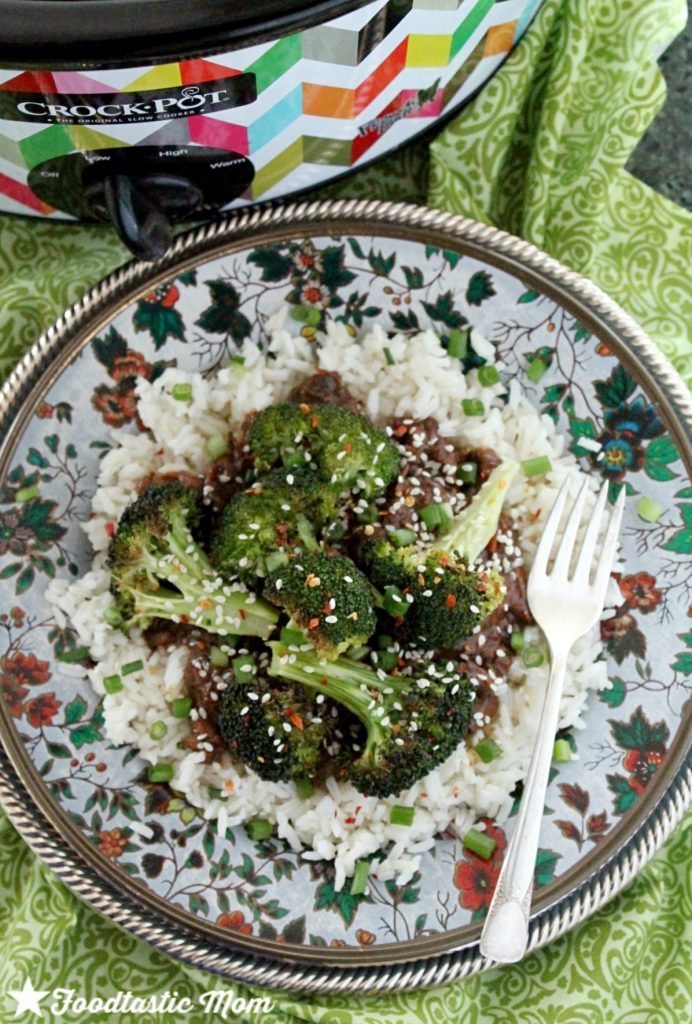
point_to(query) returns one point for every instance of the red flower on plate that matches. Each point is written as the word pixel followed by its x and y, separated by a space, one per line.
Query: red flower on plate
pixel 639 591
pixel 641 764
pixel 476 878
pixel 235 922
pixel 112 843
pixel 117 405
pixel 24 669
pixel 42 709
pixel 132 364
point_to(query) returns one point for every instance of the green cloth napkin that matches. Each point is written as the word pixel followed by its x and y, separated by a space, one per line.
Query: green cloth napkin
pixel 540 152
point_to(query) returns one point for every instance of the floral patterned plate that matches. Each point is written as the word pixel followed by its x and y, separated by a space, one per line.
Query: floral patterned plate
pixel 251 909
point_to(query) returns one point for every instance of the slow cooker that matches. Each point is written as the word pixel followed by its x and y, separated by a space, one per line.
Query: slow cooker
pixel 148 112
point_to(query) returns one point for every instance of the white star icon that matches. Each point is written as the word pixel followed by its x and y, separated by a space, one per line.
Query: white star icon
pixel 27 998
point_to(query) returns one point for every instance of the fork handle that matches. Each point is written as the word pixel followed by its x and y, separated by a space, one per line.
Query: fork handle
pixel 506 929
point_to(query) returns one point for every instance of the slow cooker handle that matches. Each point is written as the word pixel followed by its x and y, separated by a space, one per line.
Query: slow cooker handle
pixel 137 217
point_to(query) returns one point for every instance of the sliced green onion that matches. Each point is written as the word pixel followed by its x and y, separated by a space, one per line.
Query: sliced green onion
pixel 386 660
pixel 238 360
pixel 431 516
pixel 75 656
pixel 214 793
pixel 562 751
pixel 217 445
pixel 536 467
pixel 467 472
pixel 160 773
pixel 112 684
pixel 401 538
pixel 132 666
pixel 243 666
pixel 488 750
pixel 217 657
pixel 308 315
pixel 472 407
pixel 292 637
pixel 388 356
pixel 536 369
pixel 157 730
pixel 305 533
pixel 305 788
pixel 393 601
pixel 369 515
pixel 360 877
pixel 516 640
pixel 258 829
pixel 275 559
pixel 385 642
pixel 480 844
pixel 181 707
pixel 26 494
pixel 457 344
pixel 182 392
pixel 648 510
pixel 112 616
pixel 400 815
pixel 532 656
pixel 487 376
pixel 437 516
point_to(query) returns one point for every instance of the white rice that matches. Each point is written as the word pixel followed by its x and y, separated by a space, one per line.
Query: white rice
pixel 423 381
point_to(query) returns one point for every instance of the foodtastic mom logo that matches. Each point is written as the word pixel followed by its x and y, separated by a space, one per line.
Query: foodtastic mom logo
pixel 129 107
pixel 40 1004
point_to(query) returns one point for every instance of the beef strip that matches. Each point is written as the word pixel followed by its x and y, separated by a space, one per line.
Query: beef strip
pixel 200 681
pixel 179 476
pixel 486 460
pixel 324 388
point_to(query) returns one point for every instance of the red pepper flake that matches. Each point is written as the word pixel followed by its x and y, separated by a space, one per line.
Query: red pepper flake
pixel 535 515
pixel 350 821
pixel 491 546
pixel 313 623
pixel 326 607
pixel 281 528
pixel 241 613
pixel 444 561
pixel 451 601
pixel 400 430
pixel 294 718
pixel 358 809
pixel 348 447
pixel 159 451
pixel 110 529
pixel 185 618
pixel 398 620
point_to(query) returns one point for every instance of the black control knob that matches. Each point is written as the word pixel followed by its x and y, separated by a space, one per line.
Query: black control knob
pixel 143 190
pixel 140 208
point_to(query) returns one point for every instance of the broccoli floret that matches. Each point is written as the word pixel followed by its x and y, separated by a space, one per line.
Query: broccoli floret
pixel 158 570
pixel 277 729
pixel 328 596
pixel 346 450
pixel 437 594
pixel 352 453
pixel 277 435
pixel 412 722
pixel 260 526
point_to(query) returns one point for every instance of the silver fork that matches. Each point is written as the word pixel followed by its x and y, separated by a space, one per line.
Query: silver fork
pixel 565 605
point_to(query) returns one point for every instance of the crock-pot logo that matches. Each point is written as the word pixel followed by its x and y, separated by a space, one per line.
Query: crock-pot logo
pixel 380 125
pixel 129 107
